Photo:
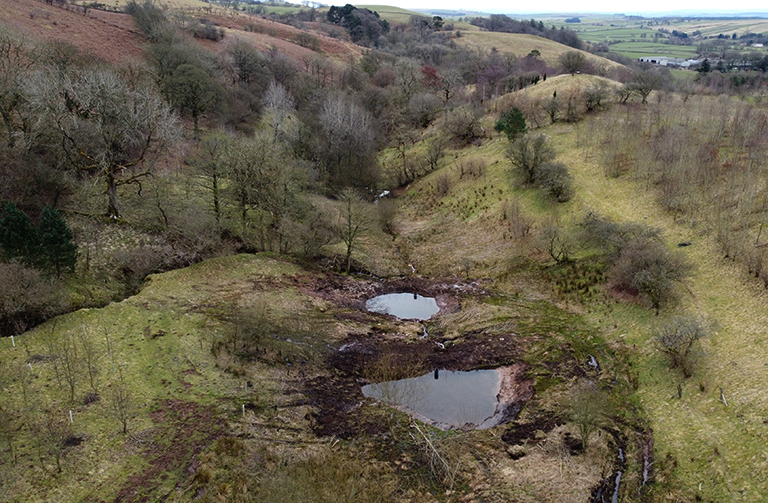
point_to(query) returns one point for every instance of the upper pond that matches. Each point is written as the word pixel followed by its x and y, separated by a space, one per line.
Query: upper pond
pixel 406 306
pixel 446 399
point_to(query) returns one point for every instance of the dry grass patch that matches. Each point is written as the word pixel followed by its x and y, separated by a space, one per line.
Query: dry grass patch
pixel 521 45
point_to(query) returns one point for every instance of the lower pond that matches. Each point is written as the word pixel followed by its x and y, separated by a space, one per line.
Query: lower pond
pixel 406 306
pixel 447 399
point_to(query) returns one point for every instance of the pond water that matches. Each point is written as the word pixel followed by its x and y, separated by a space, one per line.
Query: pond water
pixel 406 306
pixel 446 399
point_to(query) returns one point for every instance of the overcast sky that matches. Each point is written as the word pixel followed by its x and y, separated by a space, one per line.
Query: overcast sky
pixel 583 6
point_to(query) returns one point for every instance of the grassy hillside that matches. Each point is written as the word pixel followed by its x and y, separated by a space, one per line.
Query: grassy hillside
pixel 395 15
pixel 159 343
pixel 566 84
pixel 521 45
pixel 703 446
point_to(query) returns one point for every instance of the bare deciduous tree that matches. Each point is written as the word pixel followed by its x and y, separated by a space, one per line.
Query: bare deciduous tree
pixel 91 356
pixel 346 145
pixel 354 221
pixel 104 125
pixel 651 270
pixel 279 102
pixel 529 152
pixel 588 406
pixel 120 400
pixel 50 430
pixel 572 61
pixel 676 337
pixel 70 364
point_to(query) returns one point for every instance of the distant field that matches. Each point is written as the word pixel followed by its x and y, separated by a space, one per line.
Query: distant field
pixel 710 27
pixel 602 34
pixel 642 49
pixel 682 75
pixel 281 10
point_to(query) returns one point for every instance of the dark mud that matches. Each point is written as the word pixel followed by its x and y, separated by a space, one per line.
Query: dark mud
pixel 525 433
pixel 182 430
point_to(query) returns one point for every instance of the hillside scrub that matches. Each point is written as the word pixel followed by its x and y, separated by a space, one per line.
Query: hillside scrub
pixel 689 162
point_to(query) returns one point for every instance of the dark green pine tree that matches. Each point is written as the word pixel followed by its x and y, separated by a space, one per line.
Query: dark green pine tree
pixel 512 123
pixel 59 248
pixel 19 238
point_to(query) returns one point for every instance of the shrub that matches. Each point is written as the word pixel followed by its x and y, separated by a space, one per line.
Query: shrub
pixel 463 125
pixel 423 109
pixel 527 153
pixel 572 61
pixel 556 241
pixel 471 167
pixel 208 30
pixel 612 237
pixel 651 270
pixel 554 178
pixel 676 337
pixel 26 298
pixel 443 184
pixel 308 40
pixel 589 408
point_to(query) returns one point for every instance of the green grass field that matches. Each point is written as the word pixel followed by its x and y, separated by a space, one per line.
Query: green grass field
pixel 281 10
pixel 602 34
pixel 643 49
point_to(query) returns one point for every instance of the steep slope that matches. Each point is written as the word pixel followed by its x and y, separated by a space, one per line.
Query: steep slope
pixel 107 35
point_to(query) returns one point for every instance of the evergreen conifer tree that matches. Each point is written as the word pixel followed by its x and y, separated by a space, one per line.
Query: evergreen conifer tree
pixel 512 123
pixel 59 249
pixel 19 238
